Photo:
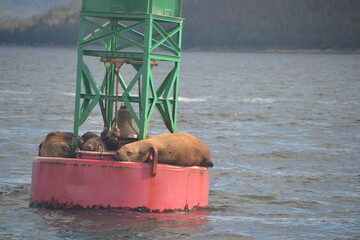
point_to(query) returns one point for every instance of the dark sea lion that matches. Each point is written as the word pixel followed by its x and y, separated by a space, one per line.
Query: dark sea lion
pixel 181 149
pixel 56 144
pixel 88 135
pixel 93 142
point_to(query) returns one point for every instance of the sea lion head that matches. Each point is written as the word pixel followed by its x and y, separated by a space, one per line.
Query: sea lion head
pixel 94 144
pixel 58 144
pixel 88 135
pixel 134 152
pixel 59 149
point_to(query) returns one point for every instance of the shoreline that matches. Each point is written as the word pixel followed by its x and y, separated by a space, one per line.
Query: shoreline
pixel 270 50
pixel 279 50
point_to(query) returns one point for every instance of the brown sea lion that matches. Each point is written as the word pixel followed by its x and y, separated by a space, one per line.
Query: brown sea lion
pixel 88 135
pixel 57 144
pixel 181 149
pixel 93 142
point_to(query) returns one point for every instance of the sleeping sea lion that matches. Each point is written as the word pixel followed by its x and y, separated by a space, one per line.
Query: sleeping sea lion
pixel 181 149
pixel 93 142
pixel 57 144
pixel 88 135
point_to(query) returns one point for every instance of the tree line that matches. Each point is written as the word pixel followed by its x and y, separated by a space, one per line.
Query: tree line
pixel 24 9
pixel 226 24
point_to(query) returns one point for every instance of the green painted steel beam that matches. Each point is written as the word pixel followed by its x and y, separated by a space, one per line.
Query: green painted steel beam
pixel 115 40
pixel 112 33
pixel 167 36
pixel 131 55
pixel 103 53
pixel 132 99
pixel 131 16
pixel 165 57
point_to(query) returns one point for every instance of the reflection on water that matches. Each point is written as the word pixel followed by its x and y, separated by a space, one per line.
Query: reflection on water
pixel 119 224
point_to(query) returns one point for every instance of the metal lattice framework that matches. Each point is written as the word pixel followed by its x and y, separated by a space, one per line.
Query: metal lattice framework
pixel 141 40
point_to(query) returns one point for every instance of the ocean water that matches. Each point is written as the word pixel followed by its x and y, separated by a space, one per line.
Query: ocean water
pixel 283 129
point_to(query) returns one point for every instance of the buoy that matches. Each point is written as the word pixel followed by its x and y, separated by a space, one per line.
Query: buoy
pixel 88 183
pixel 141 34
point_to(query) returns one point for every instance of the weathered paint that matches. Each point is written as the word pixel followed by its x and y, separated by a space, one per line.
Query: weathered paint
pixel 84 183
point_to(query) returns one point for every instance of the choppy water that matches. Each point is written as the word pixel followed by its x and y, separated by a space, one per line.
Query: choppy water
pixel 284 132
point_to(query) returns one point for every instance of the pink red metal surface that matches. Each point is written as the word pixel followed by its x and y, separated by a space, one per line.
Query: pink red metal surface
pixel 89 183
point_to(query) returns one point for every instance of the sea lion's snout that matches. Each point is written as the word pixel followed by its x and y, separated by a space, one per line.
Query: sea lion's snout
pixel 120 156
pixel 101 148
pixel 93 143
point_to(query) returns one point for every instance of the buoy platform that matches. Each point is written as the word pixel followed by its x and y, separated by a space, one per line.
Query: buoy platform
pixel 97 181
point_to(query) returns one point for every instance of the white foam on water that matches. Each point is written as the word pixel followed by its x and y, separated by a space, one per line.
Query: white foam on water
pixel 8 92
pixel 69 94
pixel 185 99
pixel 258 100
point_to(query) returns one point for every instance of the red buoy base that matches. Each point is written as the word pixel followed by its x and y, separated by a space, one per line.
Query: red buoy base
pixel 89 183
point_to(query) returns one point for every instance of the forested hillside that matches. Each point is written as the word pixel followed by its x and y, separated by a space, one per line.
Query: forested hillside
pixel 226 24
pixel 28 8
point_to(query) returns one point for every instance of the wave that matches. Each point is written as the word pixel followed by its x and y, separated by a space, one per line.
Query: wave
pixel 335 103
pixel 13 92
pixel 185 99
pixel 14 191
pixel 69 94
pixel 258 100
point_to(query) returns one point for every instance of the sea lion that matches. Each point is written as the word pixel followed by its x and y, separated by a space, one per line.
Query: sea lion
pixel 57 144
pixel 93 142
pixel 181 149
pixel 88 135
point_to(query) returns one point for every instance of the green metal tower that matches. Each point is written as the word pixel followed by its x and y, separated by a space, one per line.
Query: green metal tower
pixel 141 33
